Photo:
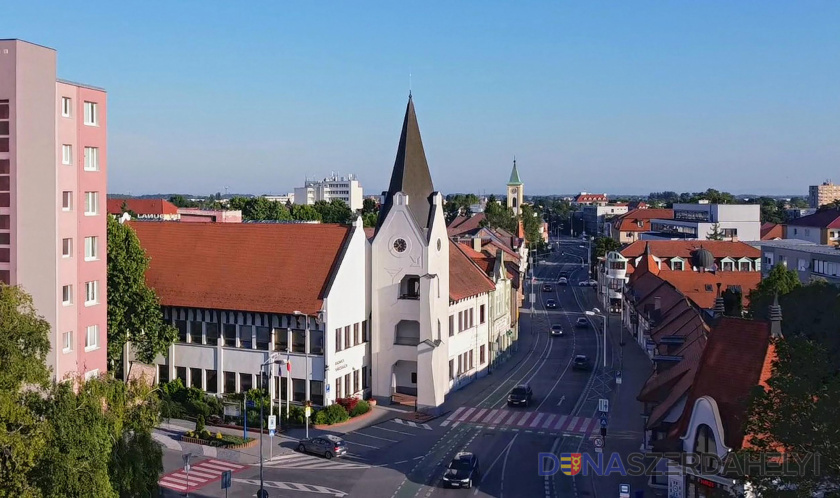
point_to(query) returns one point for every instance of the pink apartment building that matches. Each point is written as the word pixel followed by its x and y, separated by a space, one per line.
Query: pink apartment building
pixel 52 202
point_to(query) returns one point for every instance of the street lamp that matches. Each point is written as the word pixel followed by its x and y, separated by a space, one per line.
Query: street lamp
pixel 271 359
pixel 597 312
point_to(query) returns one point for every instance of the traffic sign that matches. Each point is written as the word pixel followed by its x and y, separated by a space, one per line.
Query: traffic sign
pixel 623 491
pixel 250 404
pixel 308 411
pixel 618 378
pixel 272 422
pixel 327 388
pixel 598 441
pixel 226 479
pixel 604 405
pixel 603 422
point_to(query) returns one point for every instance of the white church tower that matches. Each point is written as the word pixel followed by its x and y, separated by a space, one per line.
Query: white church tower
pixel 410 281
pixel 515 191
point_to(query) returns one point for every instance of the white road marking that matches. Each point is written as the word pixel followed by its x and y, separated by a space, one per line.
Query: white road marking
pixel 390 430
pixel 374 437
pixel 562 399
pixel 294 486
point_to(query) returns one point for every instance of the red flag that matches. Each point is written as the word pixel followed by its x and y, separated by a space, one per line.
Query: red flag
pixel 288 366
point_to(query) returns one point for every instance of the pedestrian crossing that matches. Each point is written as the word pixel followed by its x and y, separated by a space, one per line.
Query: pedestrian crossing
pixel 312 462
pixel 412 424
pixel 200 475
pixel 548 422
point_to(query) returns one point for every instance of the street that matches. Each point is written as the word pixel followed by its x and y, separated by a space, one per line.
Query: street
pixel 393 458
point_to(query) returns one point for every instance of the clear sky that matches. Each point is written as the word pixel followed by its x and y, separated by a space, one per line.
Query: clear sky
pixel 616 96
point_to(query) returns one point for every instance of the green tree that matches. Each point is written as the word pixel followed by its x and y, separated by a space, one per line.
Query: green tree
pixel 531 223
pixel 335 211
pixel 303 212
pixel 24 345
pixel 498 216
pixel 369 206
pixel 600 247
pixel 716 233
pixel 133 308
pixel 369 220
pixel 182 202
pixel 779 281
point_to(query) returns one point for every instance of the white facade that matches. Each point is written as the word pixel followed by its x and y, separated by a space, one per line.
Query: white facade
pixel 346 188
pixel 223 351
pixel 696 222
pixel 282 198
pixel 468 348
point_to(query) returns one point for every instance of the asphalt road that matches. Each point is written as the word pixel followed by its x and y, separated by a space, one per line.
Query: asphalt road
pixel 396 460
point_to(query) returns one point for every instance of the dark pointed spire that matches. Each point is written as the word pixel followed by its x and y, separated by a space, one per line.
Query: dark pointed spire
pixel 776 318
pixel 411 172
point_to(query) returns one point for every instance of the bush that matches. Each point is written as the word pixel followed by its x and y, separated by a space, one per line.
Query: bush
pixel 199 423
pixel 332 414
pixel 205 434
pixel 361 407
pixel 348 403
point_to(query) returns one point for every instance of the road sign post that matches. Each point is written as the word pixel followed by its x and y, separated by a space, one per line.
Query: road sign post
pixel 272 427
pixel 186 458
pixel 623 491
pixel 599 444
pixel 226 481
pixel 618 378
pixel 604 405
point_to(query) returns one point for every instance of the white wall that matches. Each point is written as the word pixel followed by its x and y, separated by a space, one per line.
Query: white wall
pixel 811 234
pixel 470 339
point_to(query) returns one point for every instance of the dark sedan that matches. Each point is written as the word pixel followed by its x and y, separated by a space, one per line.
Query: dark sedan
pixel 462 471
pixel 328 446
pixel 551 304
pixel 581 363
pixel 520 395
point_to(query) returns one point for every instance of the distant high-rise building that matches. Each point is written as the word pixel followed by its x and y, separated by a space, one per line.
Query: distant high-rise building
pixel 820 195
pixel 347 188
pixel 52 203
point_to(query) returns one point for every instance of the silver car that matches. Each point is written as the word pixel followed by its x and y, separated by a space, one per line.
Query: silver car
pixel 327 446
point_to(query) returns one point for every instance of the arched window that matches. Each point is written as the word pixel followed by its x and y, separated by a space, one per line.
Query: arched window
pixel 705 440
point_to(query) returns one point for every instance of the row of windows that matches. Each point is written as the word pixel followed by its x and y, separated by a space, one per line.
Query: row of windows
pixel 91 157
pixel 250 337
pixel 465 362
pixel 91 293
pixel 91 202
pixel 466 319
pixel 91 110
pixel 352 383
pixel 346 340
pixel 91 339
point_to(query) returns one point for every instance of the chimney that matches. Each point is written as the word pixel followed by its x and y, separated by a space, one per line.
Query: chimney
pixel 476 244
pixel 776 318
pixel 719 307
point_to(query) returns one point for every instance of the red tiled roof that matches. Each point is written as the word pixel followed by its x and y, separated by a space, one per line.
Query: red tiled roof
pixel 684 248
pixel 770 231
pixel 466 279
pixel 465 224
pixel 142 206
pixel 731 366
pixel 829 218
pixel 638 220
pixel 637 205
pixel 270 268
pixel 701 287
pixel 483 260
pixel 591 198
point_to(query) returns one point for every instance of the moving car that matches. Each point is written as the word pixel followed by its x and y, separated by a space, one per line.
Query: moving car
pixel 520 395
pixel 582 323
pixel 328 446
pixel 551 303
pixel 593 282
pixel 563 281
pixel 583 283
pixel 581 363
pixel 547 288
pixel 564 274
pixel 556 330
pixel 462 471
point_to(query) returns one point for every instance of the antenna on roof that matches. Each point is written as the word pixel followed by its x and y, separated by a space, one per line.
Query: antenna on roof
pixel 409 82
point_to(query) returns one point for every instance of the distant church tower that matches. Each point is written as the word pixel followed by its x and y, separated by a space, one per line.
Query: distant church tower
pixel 515 191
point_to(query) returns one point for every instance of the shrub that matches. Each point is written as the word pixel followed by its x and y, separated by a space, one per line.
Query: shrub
pixel 205 434
pixel 199 424
pixel 189 434
pixel 332 414
pixel 348 403
pixel 361 407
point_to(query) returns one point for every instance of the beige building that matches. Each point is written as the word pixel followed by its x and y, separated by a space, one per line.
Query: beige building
pixel 820 195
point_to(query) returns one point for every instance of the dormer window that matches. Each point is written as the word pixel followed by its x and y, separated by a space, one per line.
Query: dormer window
pixel 727 264
pixel 410 287
pixel 705 440
pixel 677 264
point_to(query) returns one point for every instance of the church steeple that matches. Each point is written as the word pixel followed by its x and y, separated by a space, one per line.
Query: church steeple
pixel 514 175
pixel 515 190
pixel 411 172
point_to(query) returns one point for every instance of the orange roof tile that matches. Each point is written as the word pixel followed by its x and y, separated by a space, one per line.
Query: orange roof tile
pixel 685 248
pixel 770 231
pixel 142 206
pixel 701 287
pixel 466 279
pixel 465 224
pixel 270 268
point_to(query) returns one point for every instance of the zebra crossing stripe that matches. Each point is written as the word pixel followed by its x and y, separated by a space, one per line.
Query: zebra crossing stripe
pixel 536 421
pixel 453 416
pixel 549 421
pixel 493 414
pixel 524 419
pixel 561 420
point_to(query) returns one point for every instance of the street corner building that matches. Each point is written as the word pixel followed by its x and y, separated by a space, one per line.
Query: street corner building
pixel 238 293
pixel 52 192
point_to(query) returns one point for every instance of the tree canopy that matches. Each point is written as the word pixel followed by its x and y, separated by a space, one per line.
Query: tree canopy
pixel 497 215
pixel 133 308
pixel 779 280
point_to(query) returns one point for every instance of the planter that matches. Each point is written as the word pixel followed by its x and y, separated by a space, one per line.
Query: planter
pixel 227 447
pixel 371 402
pixel 349 420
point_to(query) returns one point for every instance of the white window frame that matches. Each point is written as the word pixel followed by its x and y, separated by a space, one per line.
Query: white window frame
pixel 91 290
pixel 67 247
pixel 66 107
pixel 67 200
pixel 90 346
pixel 91 113
pixel 67 295
pixel 67 340
pixel 675 261
pixel 91 159
pixel 66 154
pixel 91 203
pixel 91 248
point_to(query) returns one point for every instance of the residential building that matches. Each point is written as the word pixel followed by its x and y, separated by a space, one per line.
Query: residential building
pixel 771 231
pixel 629 227
pixel 282 198
pixel 698 221
pixel 53 186
pixel 144 209
pixel 793 213
pixel 196 215
pixel 300 290
pixel 346 188
pixel 515 191
pixel 585 198
pixel 810 261
pixel 825 193
pixel 597 216
pixel 822 227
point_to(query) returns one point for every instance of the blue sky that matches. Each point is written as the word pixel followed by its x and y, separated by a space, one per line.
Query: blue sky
pixel 619 97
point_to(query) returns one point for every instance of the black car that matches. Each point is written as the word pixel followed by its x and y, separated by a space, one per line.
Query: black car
pixel 564 274
pixel 462 471
pixel 581 363
pixel 520 395
pixel 582 323
pixel 556 330
pixel 551 303
pixel 547 288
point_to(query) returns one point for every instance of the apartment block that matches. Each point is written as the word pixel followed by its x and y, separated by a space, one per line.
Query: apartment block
pixel 820 195
pixel 347 188
pixel 53 179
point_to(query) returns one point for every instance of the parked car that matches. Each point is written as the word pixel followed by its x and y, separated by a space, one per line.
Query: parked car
pixel 583 283
pixel 462 471
pixel 556 330
pixel 551 304
pixel 581 362
pixel 328 446
pixel 582 323
pixel 547 288
pixel 564 274
pixel 520 395
pixel 563 281
pixel 593 282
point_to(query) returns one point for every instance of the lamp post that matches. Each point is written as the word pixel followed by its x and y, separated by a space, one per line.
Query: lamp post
pixel 264 378
pixel 597 312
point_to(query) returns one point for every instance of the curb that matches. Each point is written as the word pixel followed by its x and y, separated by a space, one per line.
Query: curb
pixel 204 442
pixel 357 418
